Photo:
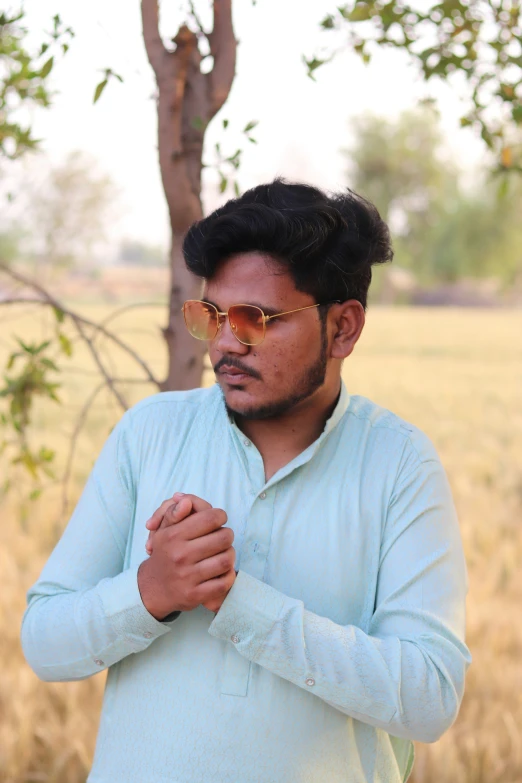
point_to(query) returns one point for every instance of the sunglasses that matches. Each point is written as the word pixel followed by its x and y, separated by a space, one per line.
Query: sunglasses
pixel 248 322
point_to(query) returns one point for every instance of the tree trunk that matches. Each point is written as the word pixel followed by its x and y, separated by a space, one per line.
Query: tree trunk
pixel 187 101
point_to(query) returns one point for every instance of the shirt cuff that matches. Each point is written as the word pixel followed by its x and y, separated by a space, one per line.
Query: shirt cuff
pixel 247 615
pixel 126 611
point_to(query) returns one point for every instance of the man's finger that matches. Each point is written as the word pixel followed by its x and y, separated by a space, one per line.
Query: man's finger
pixel 188 505
pixel 155 520
pixel 198 504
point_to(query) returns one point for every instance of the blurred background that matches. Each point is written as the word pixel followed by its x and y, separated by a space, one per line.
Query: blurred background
pixel 419 108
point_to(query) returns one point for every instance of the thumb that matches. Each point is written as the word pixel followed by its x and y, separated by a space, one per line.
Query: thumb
pixel 154 521
pixel 177 511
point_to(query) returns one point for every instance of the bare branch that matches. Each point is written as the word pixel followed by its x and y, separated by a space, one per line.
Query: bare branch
pixel 99 363
pixel 131 306
pixel 80 422
pixel 72 446
pixel 197 20
pixel 153 44
pixel 223 49
pixel 48 299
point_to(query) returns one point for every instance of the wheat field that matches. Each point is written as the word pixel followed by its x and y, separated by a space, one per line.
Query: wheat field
pixel 457 374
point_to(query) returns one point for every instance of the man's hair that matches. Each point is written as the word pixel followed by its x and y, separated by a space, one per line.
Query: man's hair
pixel 328 243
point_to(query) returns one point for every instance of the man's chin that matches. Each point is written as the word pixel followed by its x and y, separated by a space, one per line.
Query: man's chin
pixel 240 404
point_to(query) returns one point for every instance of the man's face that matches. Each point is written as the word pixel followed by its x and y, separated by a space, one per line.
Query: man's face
pixel 289 367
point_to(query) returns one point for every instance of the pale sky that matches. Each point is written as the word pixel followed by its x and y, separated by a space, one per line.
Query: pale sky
pixel 303 125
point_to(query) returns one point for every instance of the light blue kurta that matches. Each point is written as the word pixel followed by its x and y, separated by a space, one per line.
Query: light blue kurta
pixel 341 640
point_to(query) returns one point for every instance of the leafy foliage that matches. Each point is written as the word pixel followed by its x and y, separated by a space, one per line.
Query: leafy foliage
pixel 227 166
pixel 479 39
pixel 27 376
pixel 24 77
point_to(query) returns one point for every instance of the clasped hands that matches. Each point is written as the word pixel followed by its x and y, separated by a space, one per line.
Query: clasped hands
pixel 191 559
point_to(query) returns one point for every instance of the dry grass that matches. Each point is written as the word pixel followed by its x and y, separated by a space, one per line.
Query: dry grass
pixel 457 375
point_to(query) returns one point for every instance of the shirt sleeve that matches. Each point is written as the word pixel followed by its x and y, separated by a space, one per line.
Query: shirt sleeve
pixel 406 674
pixel 85 612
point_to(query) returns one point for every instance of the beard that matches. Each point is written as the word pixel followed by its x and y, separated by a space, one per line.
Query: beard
pixel 312 379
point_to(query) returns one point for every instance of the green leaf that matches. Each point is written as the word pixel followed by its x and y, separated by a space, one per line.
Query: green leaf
pixel 225 124
pixel 360 13
pixel 99 89
pixel 312 65
pixel 49 364
pixel 26 348
pixel 60 315
pixel 35 494
pixel 517 114
pixel 250 125
pixel 46 455
pixel 12 359
pixel 65 344
pixel 237 191
pixel 503 188
pixel 39 348
pixel 223 182
pixel 328 22
pixel 47 68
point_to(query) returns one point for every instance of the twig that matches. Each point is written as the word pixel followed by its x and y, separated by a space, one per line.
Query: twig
pixel 48 299
pixel 197 20
pixel 109 381
pixel 74 437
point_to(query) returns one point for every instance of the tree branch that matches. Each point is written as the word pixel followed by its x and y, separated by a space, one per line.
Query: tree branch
pixel 153 44
pixel 201 30
pixel 109 381
pixel 72 447
pixel 48 299
pixel 223 47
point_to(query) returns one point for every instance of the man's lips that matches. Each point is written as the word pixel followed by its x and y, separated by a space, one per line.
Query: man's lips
pixel 232 373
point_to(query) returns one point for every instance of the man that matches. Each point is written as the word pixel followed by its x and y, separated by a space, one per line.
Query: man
pixel 299 617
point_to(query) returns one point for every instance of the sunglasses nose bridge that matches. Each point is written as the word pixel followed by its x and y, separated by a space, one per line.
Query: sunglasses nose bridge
pixel 221 333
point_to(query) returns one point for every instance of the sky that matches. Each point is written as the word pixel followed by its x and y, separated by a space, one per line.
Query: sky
pixel 303 125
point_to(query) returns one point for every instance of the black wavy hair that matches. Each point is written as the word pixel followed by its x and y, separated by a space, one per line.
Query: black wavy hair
pixel 327 242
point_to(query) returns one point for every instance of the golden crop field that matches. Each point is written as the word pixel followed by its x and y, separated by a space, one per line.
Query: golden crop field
pixel 457 374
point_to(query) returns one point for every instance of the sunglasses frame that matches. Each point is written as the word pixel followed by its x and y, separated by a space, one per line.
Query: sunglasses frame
pixel 222 316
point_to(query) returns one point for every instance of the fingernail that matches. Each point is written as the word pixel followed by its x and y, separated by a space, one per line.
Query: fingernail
pixel 178 495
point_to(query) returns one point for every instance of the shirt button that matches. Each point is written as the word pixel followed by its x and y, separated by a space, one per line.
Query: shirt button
pixel 247 443
pixel 99 662
pixel 147 634
pixel 310 681
pixel 262 495
pixel 235 638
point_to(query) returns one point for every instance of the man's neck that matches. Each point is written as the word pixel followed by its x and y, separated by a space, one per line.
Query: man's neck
pixel 281 439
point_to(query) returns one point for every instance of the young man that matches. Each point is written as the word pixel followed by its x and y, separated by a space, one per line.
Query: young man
pixel 299 614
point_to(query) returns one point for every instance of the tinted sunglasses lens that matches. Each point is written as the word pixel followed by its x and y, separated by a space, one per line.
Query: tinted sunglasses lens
pixel 246 321
pixel 201 319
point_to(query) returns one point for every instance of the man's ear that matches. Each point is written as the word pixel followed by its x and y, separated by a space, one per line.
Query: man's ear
pixel 348 320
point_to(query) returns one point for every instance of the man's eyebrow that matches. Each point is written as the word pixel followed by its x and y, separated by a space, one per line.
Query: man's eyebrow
pixel 264 308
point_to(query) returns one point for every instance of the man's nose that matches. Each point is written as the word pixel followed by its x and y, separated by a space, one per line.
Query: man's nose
pixel 226 342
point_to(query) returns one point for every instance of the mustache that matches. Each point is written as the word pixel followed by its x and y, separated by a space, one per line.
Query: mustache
pixel 237 365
